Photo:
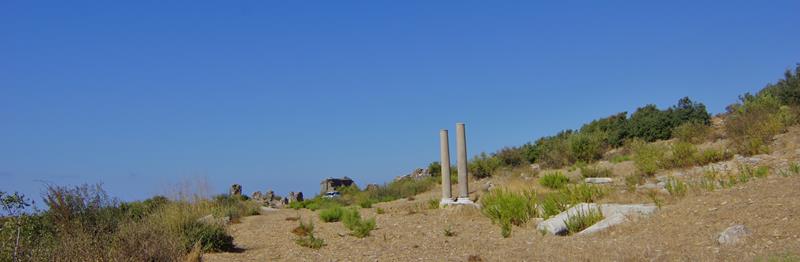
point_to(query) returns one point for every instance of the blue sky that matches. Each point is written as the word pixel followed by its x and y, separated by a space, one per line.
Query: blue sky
pixel 140 95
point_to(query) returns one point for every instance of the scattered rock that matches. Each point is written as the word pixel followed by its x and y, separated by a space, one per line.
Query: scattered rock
pixel 598 180
pixel 536 168
pixel 292 197
pixel 650 186
pixel 258 196
pixel 488 186
pixel 733 235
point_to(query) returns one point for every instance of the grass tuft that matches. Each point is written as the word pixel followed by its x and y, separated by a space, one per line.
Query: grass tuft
pixel 554 180
pixel 582 220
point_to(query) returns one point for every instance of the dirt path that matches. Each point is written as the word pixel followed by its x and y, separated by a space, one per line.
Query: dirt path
pixel 686 230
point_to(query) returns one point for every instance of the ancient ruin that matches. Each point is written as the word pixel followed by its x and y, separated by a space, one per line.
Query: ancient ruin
pixel 236 190
pixel 461 163
pixel 331 184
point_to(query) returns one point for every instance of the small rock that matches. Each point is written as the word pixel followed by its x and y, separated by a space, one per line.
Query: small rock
pixel 598 180
pixel 733 235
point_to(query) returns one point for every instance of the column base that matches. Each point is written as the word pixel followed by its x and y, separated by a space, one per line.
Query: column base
pixel 461 201
pixel 464 201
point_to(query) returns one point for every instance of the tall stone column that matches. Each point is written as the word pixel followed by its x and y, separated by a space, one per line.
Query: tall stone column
pixel 461 147
pixel 444 146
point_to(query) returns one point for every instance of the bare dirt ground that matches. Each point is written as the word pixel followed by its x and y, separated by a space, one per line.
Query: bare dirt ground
pixel 686 230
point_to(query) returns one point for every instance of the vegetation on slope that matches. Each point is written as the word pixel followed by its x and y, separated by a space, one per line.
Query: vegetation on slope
pixel 83 223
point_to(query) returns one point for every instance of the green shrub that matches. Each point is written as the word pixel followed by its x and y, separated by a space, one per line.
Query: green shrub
pixel 794 168
pixel 433 203
pixel 380 211
pixel 296 205
pixel 583 193
pixel 648 157
pixel 620 158
pixel 553 204
pixel 631 181
pixel 582 220
pixel 511 156
pixel 505 229
pixel 333 214
pixel 318 203
pixel 712 155
pixel 359 227
pixel 554 180
pixel 507 208
pixel 787 90
pixel 595 172
pixel 587 146
pixel 365 203
pixel 448 232
pixel 484 165
pixel 307 238
pixel 682 154
pixel 676 187
pixel 692 132
pixel 752 123
pixel 211 237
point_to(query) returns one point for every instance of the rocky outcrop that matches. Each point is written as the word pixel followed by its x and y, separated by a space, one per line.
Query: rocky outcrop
pixel 293 197
pixel 236 190
pixel 417 174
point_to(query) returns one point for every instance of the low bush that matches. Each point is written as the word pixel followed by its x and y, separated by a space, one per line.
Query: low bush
pixel 583 193
pixel 307 238
pixel 554 180
pixel 333 214
pixel 753 122
pixel 448 232
pixel 632 181
pixel 648 157
pixel 433 203
pixel 596 171
pixel 676 187
pixel 682 154
pixel 712 155
pixel 210 237
pixel 692 132
pixel 553 204
pixel 620 158
pixel 505 207
pixel 318 203
pixel 582 220
pixel 484 165
pixel 359 227
pixel 83 223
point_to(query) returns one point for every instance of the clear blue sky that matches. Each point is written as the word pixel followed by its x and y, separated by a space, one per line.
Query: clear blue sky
pixel 280 94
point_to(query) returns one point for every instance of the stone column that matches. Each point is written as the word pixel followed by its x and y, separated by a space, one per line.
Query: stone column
pixel 444 146
pixel 461 147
